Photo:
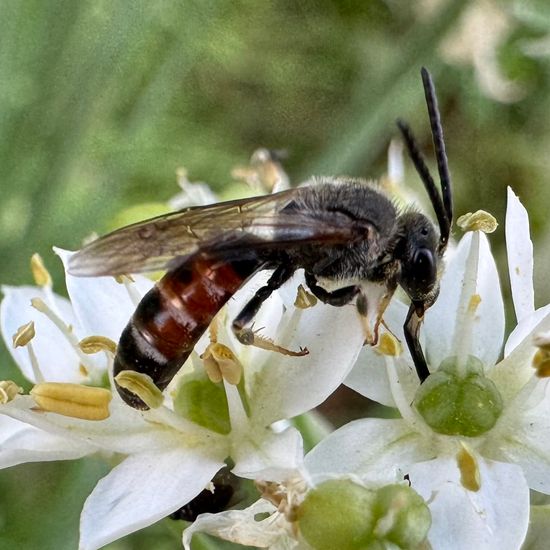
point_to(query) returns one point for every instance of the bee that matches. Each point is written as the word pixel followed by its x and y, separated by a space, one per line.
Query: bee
pixel 347 236
pixel 224 488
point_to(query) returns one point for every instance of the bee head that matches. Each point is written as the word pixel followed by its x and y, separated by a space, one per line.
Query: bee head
pixel 418 254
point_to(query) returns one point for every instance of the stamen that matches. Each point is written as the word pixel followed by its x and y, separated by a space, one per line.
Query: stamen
pixel 43 279
pixel 8 391
pixel 95 344
pixel 24 334
pixel 389 345
pixel 541 359
pixel 40 274
pixel 72 400
pixel 221 363
pixel 129 285
pixel 477 221
pixel 402 403
pixel 287 328
pixel 469 470
pixel 238 417
pixel 37 372
pixel 66 330
pixel 304 299
pixel 468 302
pixel 142 385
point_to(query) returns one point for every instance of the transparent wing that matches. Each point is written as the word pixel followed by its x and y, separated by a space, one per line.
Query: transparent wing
pixel 258 222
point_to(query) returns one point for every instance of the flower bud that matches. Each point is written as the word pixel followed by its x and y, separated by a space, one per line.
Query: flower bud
pixel 337 514
pixel 466 405
pixel 345 515
pixel 402 516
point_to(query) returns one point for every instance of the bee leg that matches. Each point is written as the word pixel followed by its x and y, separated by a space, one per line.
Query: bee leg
pixel 247 336
pixel 338 298
pixel 412 330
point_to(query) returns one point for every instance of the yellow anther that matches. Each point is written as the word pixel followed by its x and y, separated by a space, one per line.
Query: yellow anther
pixel 40 274
pixel 73 400
pixel 388 344
pixel 541 363
pixel 473 304
pixel 95 344
pixel 25 333
pixel 40 305
pixel 141 385
pixel 304 299
pixel 221 363
pixel 8 391
pixel 477 221
pixel 541 359
pixel 124 278
pixel 469 470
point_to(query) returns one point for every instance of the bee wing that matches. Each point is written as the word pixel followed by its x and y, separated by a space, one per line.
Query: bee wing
pixel 258 222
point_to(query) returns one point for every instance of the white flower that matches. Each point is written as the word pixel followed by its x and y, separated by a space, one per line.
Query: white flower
pixel 274 531
pixel 98 306
pixel 53 354
pixel 170 458
pixel 475 479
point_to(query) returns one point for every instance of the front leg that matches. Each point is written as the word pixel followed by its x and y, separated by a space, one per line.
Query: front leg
pixel 246 335
pixel 338 298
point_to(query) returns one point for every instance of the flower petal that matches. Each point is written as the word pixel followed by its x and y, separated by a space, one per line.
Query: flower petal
pixel 267 455
pixel 515 370
pixel 446 319
pixel 239 526
pixel 377 450
pixel 23 443
pixel 525 329
pixel 288 386
pixel 125 431
pixel 102 306
pixel 496 516
pixel 143 489
pixel 519 249
pixel 57 359
pixel 522 437
pixel 369 374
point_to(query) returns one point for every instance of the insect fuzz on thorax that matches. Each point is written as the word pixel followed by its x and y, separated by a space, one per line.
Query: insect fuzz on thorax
pixel 347 236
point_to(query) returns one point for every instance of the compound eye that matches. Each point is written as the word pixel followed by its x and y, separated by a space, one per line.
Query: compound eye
pixel 424 265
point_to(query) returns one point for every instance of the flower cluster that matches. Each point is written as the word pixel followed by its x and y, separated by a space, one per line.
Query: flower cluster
pixel 453 469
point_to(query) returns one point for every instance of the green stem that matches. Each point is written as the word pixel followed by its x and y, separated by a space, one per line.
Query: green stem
pixel 313 428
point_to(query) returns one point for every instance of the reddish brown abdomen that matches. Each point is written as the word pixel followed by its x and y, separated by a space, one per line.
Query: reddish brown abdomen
pixel 173 315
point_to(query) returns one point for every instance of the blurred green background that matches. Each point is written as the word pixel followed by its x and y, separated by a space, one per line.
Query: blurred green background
pixel 101 102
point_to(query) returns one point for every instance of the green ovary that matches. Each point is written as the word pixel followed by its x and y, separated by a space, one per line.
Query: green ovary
pixel 451 404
